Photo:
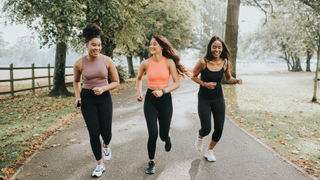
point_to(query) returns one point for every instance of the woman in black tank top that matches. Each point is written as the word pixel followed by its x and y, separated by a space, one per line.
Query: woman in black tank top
pixel 212 67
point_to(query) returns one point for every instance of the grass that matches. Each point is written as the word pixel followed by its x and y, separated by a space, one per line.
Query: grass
pixel 27 119
pixel 275 105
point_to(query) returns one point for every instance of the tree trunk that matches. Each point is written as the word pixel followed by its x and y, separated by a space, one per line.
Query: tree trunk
pixel 298 64
pixel 314 98
pixel 287 58
pixel 294 65
pixel 309 55
pixel 130 67
pixel 141 57
pixel 59 86
pixel 231 35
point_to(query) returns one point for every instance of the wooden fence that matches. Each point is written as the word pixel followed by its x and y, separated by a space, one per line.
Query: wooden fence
pixel 32 78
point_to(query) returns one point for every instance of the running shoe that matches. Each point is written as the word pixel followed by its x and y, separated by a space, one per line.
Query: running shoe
pixel 106 151
pixel 98 171
pixel 150 169
pixel 209 155
pixel 198 142
pixel 168 145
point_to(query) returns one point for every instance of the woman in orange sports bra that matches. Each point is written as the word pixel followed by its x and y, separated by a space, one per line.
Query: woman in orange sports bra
pixel 158 101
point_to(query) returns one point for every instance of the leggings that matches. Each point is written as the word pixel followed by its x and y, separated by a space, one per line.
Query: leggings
pixel 157 108
pixel 217 107
pixel 97 113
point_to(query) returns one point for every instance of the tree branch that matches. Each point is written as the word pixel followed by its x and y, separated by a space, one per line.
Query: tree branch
pixel 265 12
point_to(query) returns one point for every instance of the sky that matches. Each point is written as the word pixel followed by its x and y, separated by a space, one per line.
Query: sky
pixel 248 20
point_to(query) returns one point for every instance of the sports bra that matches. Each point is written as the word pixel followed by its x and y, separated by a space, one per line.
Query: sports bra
pixel 158 73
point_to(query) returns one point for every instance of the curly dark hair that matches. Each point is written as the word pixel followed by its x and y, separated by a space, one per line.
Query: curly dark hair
pixel 91 31
pixel 169 52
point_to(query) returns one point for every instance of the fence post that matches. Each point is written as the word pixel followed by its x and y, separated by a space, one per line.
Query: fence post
pixel 49 77
pixel 11 80
pixel 32 69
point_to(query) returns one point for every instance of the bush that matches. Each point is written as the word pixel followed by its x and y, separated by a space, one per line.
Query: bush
pixel 122 73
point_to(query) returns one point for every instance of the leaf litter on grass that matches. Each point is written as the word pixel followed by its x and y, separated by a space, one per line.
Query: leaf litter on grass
pixel 273 106
pixel 27 120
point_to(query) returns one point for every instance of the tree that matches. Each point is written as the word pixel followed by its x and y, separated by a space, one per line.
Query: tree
pixel 144 19
pixel 28 50
pixel 231 35
pixel 3 44
pixel 56 22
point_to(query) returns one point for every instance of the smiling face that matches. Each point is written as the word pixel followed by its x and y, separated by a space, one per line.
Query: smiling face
pixel 94 47
pixel 155 47
pixel 216 49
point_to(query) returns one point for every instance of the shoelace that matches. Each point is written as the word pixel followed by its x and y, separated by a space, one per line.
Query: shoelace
pixel 98 168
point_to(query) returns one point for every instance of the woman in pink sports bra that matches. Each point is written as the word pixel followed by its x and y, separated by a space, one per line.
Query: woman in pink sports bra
pixel 95 99
pixel 158 101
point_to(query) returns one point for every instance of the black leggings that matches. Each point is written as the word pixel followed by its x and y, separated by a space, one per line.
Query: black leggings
pixel 97 113
pixel 218 109
pixel 157 108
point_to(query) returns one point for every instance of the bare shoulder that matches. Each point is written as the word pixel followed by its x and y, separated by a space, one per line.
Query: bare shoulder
pixel 78 63
pixel 145 63
pixel 108 61
pixel 170 62
pixel 227 64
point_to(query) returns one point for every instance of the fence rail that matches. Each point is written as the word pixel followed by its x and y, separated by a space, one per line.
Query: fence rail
pixel 32 78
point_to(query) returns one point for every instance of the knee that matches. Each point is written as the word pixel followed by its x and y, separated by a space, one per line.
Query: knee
pixel 205 131
pixel 153 136
pixel 94 136
pixel 217 134
pixel 164 136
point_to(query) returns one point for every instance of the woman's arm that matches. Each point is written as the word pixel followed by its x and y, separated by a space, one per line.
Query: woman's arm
pixel 76 80
pixel 196 71
pixel 113 76
pixel 175 77
pixel 142 70
pixel 228 76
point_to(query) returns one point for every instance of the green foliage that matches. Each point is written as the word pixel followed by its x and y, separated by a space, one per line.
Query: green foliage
pixel 123 75
pixel 54 21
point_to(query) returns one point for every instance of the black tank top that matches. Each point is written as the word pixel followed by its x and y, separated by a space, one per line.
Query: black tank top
pixel 211 76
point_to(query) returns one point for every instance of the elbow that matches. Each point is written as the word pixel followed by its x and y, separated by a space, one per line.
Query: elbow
pixel 117 83
pixel 178 85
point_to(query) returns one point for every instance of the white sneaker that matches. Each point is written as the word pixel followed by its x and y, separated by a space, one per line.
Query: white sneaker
pixel 106 151
pixel 99 170
pixel 209 155
pixel 198 143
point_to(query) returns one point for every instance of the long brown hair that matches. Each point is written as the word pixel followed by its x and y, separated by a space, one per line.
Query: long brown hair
pixel 169 52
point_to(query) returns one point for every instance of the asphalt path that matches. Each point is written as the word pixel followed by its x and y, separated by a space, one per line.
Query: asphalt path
pixel 239 156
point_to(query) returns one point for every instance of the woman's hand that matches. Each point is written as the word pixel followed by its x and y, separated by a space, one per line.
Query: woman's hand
pixel 157 93
pixel 140 98
pixel 78 101
pixel 210 85
pixel 98 90
pixel 239 81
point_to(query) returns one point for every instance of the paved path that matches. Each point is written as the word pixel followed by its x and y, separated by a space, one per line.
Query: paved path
pixel 238 155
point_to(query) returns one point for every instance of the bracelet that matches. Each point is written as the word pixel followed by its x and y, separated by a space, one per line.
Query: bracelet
pixel 202 83
pixel 164 91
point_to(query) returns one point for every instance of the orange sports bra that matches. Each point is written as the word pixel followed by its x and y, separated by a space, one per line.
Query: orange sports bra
pixel 158 73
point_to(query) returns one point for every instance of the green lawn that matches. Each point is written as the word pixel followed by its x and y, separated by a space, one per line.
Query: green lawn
pixel 275 105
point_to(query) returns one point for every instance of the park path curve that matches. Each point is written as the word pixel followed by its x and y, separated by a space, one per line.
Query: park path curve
pixel 239 156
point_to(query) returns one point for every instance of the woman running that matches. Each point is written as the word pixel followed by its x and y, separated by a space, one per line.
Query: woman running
pixel 95 99
pixel 210 96
pixel 158 101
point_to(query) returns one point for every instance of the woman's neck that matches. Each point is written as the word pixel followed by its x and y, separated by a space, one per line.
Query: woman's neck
pixel 91 58
pixel 157 57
